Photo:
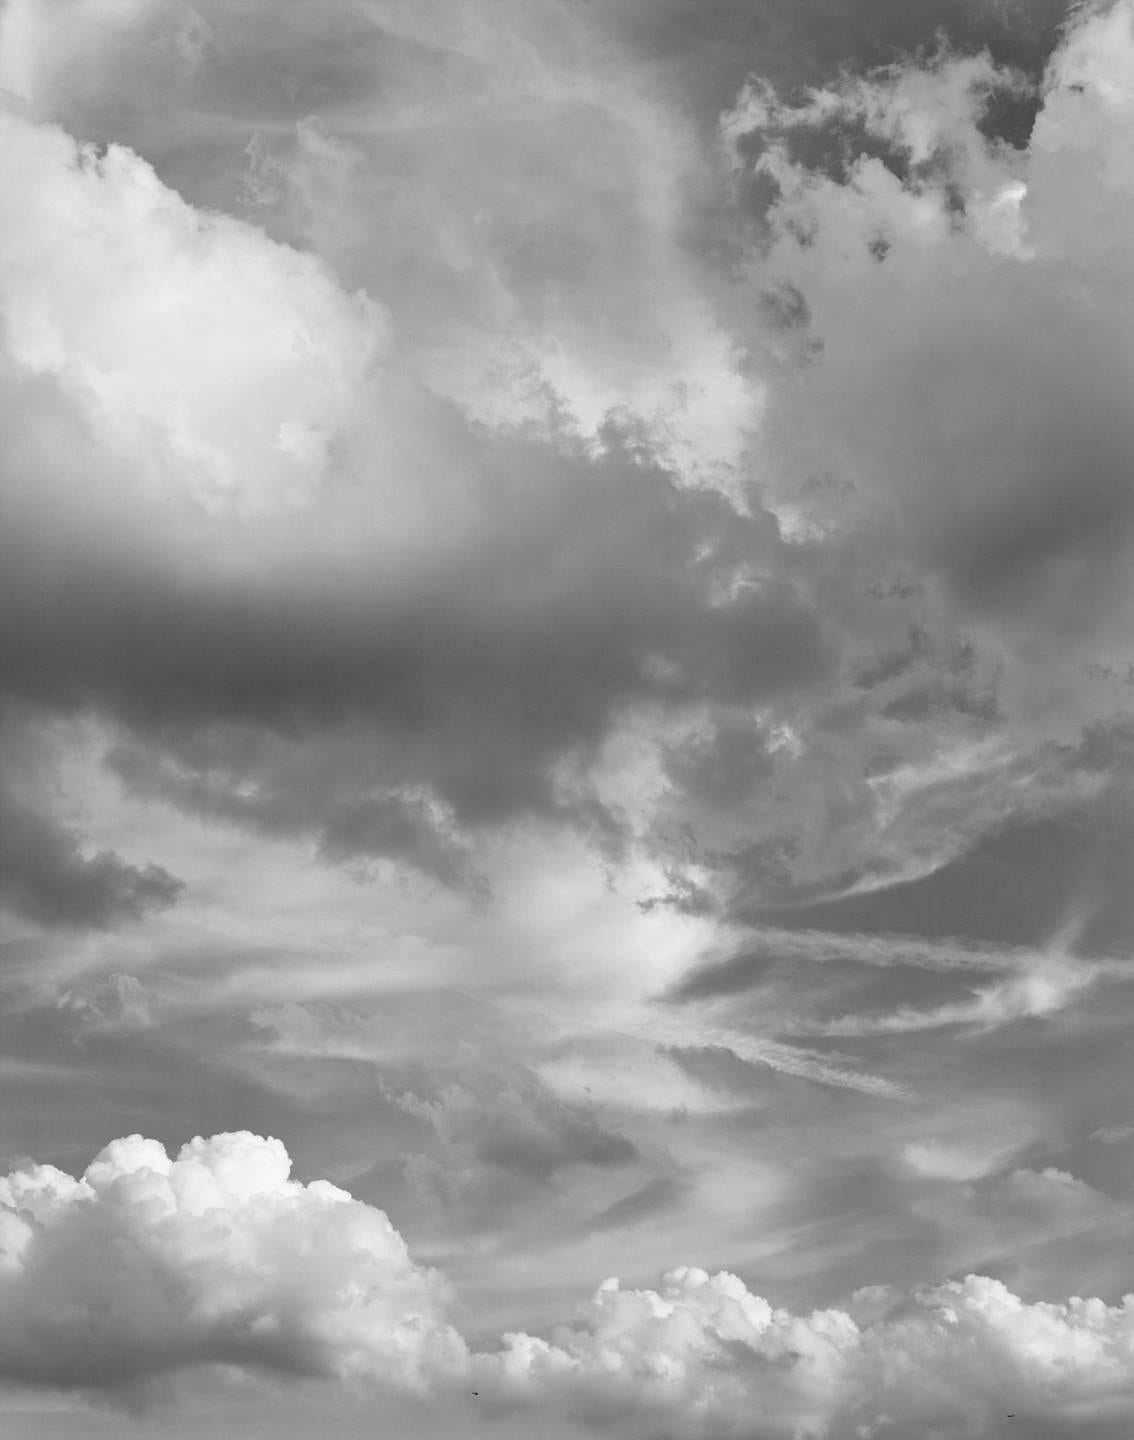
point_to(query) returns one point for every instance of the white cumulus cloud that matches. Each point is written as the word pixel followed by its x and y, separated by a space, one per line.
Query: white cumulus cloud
pixel 148 1264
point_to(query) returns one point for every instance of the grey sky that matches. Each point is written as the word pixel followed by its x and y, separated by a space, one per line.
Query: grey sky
pixel 565 674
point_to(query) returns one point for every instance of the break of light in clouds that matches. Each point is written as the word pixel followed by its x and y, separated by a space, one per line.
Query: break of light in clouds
pixel 565 677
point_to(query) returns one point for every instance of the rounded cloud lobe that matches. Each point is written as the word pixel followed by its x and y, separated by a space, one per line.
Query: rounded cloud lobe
pixel 148 1265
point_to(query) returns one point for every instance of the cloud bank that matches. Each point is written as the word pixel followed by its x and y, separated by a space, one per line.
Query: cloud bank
pixel 148 1265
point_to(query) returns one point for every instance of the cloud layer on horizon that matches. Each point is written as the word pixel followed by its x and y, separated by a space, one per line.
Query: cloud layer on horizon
pixel 146 1266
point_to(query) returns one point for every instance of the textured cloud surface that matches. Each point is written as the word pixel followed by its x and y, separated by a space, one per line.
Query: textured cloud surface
pixel 565 620
pixel 147 1265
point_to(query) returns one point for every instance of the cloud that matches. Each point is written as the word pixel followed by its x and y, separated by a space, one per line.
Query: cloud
pixel 1012 261
pixel 710 50
pixel 45 877
pixel 654 1197
pixel 503 1144
pixel 1049 986
pixel 769 947
pixel 249 528
pixel 970 1158
pixel 823 1069
pixel 473 505
pixel 49 875
pixel 714 1358
pixel 146 1265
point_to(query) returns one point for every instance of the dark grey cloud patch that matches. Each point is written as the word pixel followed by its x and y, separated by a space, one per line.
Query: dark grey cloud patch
pixel 280 788
pixel 598 585
pixel 709 50
pixel 502 1142
pixel 996 503
pixel 45 877
pixel 1016 887
pixel 48 874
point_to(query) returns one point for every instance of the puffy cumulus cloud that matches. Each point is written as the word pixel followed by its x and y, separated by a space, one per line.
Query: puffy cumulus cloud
pixel 209 363
pixel 966 308
pixel 554 272
pixel 147 1264
pixel 703 1355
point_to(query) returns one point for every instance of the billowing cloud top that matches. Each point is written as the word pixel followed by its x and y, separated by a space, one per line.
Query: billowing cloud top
pixel 147 1265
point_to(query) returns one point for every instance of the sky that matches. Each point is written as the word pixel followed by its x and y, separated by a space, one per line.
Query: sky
pixel 566 821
